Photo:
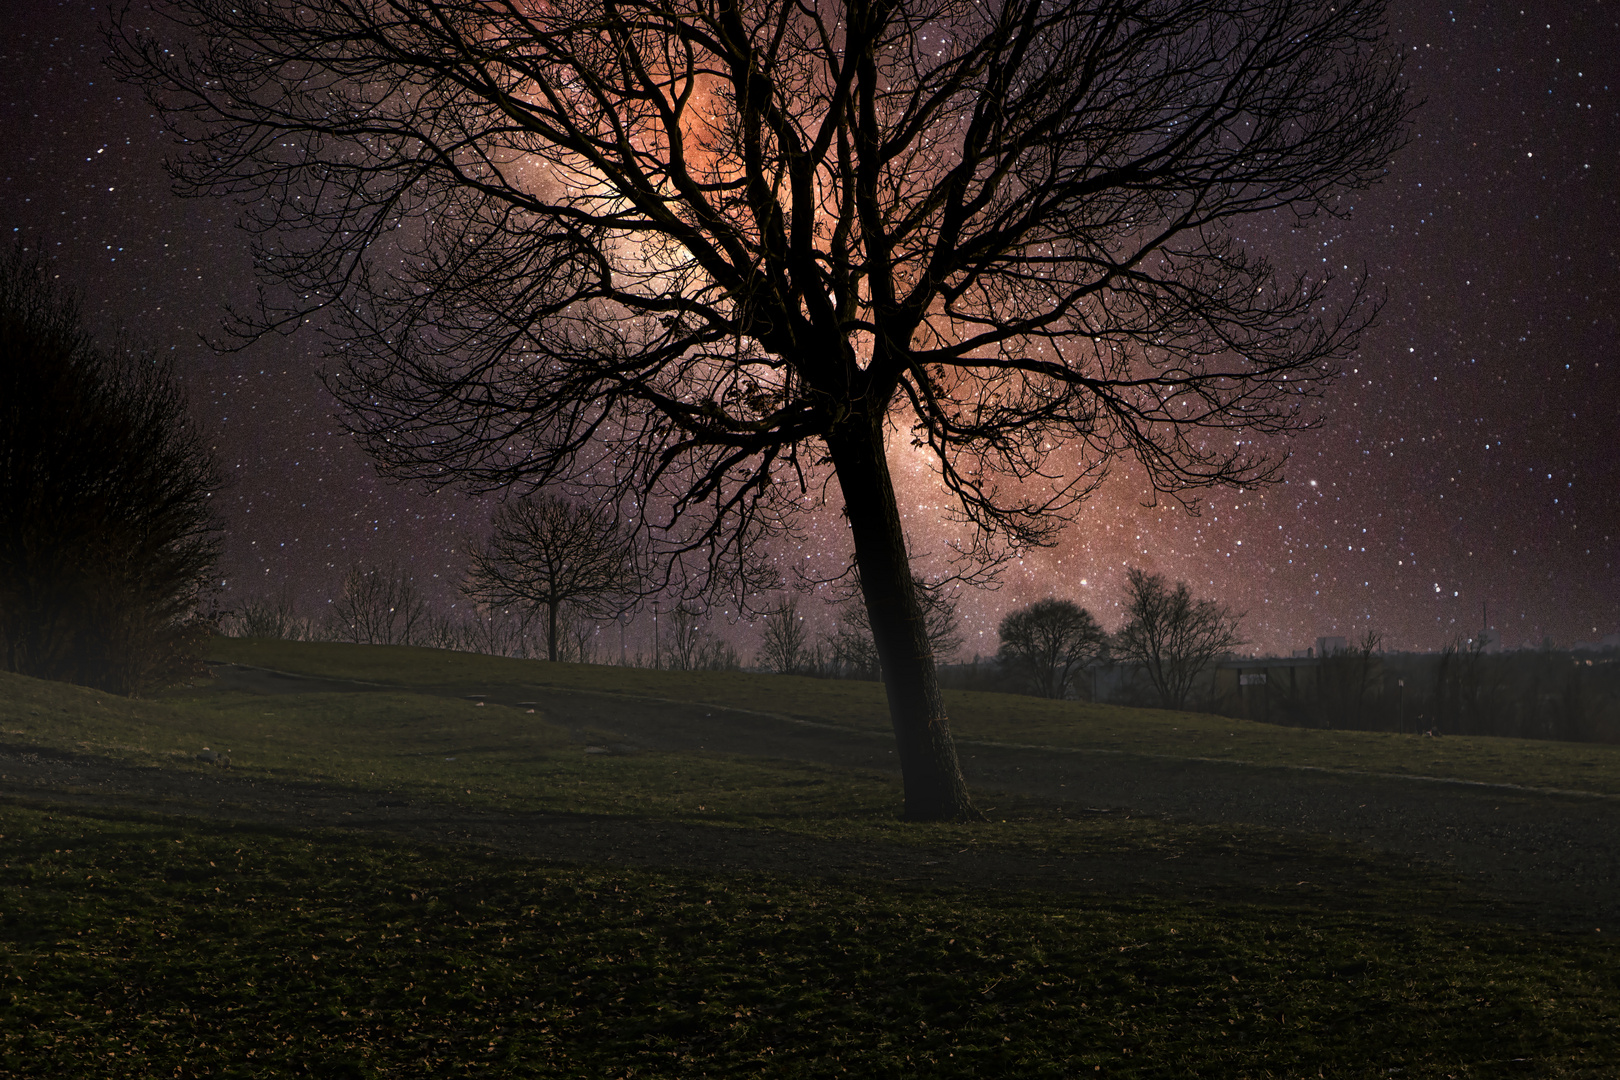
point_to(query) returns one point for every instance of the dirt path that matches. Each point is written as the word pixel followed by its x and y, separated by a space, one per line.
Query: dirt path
pixel 1546 859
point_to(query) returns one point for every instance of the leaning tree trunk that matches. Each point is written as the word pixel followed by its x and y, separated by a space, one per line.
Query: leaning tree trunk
pixel 935 790
pixel 551 630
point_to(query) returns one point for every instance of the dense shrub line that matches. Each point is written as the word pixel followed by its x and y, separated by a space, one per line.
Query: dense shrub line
pixel 107 531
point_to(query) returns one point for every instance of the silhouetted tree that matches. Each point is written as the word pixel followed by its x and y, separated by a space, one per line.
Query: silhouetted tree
pixel 854 650
pixel 682 250
pixel 492 631
pixel 107 536
pixel 852 654
pixel 785 636
pixel 273 617
pixel 1344 679
pixel 548 552
pixel 685 637
pixel 1174 637
pixel 694 647
pixel 380 605
pixel 1049 643
pixel 579 637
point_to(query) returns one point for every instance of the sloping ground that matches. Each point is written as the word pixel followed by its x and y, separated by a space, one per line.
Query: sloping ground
pixel 996 717
pixel 1250 830
pixel 1266 866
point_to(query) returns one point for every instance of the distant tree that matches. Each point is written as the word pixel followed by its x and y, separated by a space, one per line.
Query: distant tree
pixel 380 605
pixel 851 652
pixel 444 631
pixel 579 637
pixel 783 649
pixel 1174 637
pixel 490 631
pixel 1345 677
pixel 547 553
pixel 687 252
pixel 269 617
pixel 107 534
pixel 688 638
pixel 1467 693
pixel 694 647
pixel 1049 643
pixel 853 649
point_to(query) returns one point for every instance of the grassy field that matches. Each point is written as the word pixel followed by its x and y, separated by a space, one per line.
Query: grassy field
pixel 139 942
pixel 974 716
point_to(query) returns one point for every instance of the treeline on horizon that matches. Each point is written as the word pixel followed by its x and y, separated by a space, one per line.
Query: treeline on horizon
pixel 381 605
pixel 1461 690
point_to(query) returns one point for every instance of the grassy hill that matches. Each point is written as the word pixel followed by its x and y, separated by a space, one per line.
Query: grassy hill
pixel 342 734
pixel 157 919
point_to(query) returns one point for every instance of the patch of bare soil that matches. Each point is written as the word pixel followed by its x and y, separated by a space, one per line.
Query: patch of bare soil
pixel 1543 859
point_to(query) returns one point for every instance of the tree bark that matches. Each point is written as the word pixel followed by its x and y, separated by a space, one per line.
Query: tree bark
pixel 934 787
pixel 551 629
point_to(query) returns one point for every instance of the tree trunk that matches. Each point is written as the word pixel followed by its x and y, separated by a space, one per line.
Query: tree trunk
pixel 935 790
pixel 551 630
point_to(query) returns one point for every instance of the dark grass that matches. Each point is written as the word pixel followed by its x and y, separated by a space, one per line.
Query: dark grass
pixel 134 946
pixel 974 716
pixel 146 946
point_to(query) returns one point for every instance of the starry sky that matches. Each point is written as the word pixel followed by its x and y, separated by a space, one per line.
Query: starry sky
pixel 1471 455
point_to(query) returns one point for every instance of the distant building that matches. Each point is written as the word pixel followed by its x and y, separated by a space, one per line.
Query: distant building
pixel 1327 646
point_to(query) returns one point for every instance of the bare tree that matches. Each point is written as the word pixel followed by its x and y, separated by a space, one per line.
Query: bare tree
pixel 380 605
pixel 444 631
pixel 1174 637
pixel 548 553
pixel 580 638
pixel 1345 677
pixel 784 640
pixel 686 638
pixel 719 655
pixel 694 647
pixel 854 652
pixel 493 632
pixel 1049 643
pixel 1468 693
pixel 273 617
pixel 682 250
pixel 107 532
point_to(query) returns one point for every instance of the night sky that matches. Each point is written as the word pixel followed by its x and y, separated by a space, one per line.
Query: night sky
pixel 1469 457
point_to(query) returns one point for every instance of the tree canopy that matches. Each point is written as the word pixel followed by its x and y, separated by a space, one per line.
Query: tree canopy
pixel 548 553
pixel 107 532
pixel 693 253
pixel 1174 636
pixel 1049 643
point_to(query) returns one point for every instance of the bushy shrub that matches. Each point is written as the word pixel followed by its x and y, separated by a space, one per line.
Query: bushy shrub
pixel 107 537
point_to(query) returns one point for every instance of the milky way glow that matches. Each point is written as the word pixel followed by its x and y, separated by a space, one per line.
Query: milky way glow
pixel 1467 457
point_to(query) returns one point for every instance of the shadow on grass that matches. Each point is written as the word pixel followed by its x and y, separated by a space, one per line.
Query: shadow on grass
pixel 137 946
